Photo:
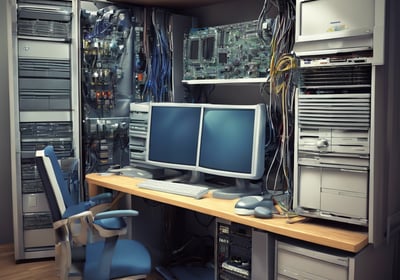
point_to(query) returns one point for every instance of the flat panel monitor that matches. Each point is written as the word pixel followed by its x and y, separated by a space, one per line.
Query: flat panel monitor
pixel 233 145
pixel 173 134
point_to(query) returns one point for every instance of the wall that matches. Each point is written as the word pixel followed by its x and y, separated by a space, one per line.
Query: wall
pixel 391 142
pixel 6 234
pixel 392 110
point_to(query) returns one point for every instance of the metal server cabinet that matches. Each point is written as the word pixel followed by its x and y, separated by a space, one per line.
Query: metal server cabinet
pixel 42 97
pixel 339 153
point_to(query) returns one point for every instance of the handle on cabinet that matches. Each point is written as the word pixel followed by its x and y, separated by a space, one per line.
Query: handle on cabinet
pixel 322 143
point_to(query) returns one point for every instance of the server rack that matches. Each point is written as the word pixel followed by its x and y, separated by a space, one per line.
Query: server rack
pixel 337 150
pixel 42 97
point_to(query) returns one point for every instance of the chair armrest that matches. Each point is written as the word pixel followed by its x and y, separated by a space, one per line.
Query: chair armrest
pixel 101 198
pixel 80 216
pixel 112 223
pixel 116 213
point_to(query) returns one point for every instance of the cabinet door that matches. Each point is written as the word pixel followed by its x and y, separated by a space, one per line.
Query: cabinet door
pixel 344 192
pixel 309 187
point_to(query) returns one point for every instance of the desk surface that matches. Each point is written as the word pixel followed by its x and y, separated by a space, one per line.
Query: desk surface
pixel 326 235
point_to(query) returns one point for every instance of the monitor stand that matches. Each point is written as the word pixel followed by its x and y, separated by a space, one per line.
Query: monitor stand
pixel 196 177
pixel 193 177
pixel 241 188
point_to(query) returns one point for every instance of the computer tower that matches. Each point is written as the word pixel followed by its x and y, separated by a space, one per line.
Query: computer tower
pixel 332 137
pixel 242 252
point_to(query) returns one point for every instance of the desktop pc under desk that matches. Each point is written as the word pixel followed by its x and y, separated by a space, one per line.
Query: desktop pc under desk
pixel 325 235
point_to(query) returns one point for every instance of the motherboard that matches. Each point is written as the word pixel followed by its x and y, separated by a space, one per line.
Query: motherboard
pixel 239 50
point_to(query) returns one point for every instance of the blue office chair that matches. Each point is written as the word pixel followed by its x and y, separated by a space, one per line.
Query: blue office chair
pixel 95 204
pixel 108 258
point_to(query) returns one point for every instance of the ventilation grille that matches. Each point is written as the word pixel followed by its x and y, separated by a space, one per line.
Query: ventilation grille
pixel 335 97
pixel 43 28
pixel 345 76
pixel 50 19
pixel 342 111
pixel 44 68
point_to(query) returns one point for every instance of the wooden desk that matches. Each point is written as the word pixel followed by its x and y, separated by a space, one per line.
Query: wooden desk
pixel 326 235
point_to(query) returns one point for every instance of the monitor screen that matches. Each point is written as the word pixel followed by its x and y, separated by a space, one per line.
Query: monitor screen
pixel 233 141
pixel 173 135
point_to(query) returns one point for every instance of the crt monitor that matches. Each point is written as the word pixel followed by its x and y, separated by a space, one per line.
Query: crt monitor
pixel 173 133
pixel 233 145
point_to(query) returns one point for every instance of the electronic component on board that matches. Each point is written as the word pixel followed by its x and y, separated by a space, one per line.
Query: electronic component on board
pixel 228 51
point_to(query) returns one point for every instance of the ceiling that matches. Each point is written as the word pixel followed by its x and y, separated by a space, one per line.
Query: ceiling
pixel 172 3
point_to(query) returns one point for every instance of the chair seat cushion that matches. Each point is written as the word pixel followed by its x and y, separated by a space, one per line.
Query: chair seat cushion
pixel 130 258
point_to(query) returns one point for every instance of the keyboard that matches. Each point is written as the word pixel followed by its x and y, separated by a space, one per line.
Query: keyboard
pixel 174 188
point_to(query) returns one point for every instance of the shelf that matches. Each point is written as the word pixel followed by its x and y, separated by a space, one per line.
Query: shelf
pixel 225 81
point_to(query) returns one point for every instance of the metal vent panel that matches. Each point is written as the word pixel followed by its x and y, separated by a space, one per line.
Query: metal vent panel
pixel 334 110
pixel 43 68
pixel 359 75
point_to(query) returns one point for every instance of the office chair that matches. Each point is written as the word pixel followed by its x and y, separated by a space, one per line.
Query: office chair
pixel 95 204
pixel 109 258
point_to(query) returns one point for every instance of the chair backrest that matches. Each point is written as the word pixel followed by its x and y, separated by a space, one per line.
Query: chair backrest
pixel 58 173
pixel 48 174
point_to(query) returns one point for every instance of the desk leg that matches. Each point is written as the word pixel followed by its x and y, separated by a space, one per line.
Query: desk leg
pixel 93 189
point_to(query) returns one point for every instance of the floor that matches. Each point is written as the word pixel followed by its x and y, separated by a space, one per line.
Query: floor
pixel 36 270
pixel 33 270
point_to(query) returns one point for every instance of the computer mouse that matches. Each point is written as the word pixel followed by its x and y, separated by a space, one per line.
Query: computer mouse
pixel 263 212
pixel 266 202
pixel 245 205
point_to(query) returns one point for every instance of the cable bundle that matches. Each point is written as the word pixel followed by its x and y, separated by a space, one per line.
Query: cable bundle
pixel 281 93
pixel 159 65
